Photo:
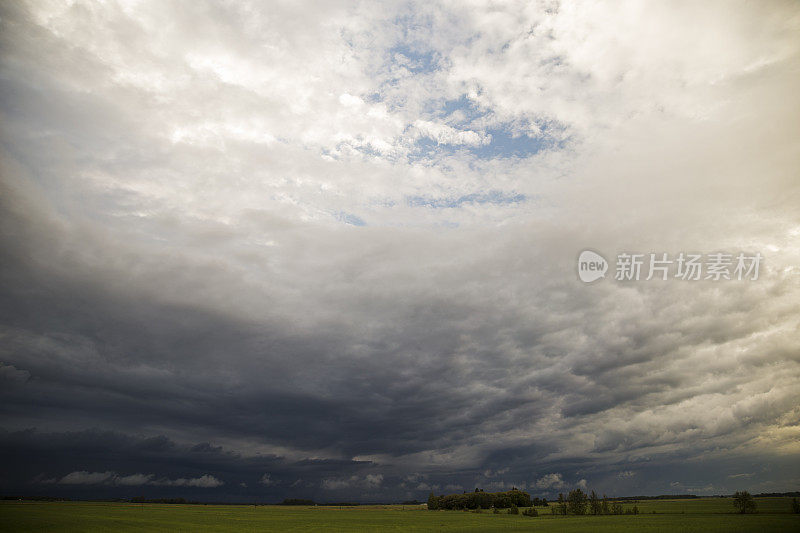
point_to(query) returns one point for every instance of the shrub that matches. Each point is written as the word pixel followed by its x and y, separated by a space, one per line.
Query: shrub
pixel 576 502
pixel 530 512
pixel 743 502
pixel 513 509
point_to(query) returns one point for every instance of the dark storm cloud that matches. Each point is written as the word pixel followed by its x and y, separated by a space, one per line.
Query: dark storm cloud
pixel 78 463
pixel 440 377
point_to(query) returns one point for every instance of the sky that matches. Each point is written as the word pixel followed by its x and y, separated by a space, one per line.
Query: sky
pixel 253 251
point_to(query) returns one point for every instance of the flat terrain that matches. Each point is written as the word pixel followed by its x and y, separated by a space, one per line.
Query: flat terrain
pixel 706 514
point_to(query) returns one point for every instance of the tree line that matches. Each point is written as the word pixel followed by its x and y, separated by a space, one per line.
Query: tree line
pixel 483 500
pixel 576 502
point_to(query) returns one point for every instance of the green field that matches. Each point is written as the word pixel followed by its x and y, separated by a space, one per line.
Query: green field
pixel 706 514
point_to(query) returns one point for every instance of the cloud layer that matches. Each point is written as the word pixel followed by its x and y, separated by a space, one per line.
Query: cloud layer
pixel 132 480
pixel 329 251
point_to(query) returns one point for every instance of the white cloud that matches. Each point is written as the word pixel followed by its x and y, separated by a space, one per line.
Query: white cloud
pixel 11 373
pixel 707 489
pixel 493 473
pixel 335 484
pixel 497 486
pixel 444 134
pixel 369 481
pixel 266 480
pixel 373 480
pixel 87 478
pixel 204 481
pixel 112 478
pixel 550 481
pixel 413 477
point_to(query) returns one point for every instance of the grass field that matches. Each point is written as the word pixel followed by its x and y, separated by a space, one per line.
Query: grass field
pixel 706 514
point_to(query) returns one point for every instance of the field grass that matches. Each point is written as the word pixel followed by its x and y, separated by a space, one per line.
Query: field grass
pixel 701 515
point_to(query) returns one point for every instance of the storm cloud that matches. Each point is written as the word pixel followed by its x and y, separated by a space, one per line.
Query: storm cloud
pixel 329 250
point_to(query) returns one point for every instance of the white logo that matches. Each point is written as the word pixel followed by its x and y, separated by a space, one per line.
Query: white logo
pixel 591 266
pixel 717 266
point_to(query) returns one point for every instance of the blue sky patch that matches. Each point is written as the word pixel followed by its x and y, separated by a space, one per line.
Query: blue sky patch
pixel 350 218
pixel 493 197
pixel 418 61
pixel 505 144
pixel 465 105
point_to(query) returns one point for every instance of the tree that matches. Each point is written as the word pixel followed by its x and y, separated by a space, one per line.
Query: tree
pixel 522 499
pixel 743 502
pixel 297 501
pixel 561 506
pixel 503 501
pixel 594 504
pixel 433 502
pixel 604 509
pixel 577 502
pixel 480 500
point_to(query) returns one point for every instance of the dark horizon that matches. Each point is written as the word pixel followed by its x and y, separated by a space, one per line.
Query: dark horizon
pixel 187 501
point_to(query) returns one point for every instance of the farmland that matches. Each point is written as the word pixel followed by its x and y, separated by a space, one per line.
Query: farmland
pixel 704 514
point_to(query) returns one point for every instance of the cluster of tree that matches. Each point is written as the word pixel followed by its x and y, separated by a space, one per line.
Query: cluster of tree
pixel 530 511
pixel 297 501
pixel 660 497
pixel 142 499
pixel 744 502
pixel 334 504
pixel 480 500
pixel 578 502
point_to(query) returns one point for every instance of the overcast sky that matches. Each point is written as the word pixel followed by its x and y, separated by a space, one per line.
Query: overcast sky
pixel 328 250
